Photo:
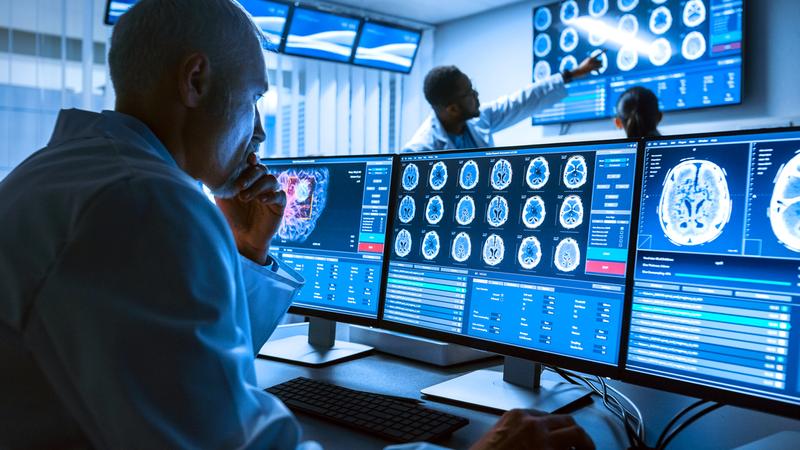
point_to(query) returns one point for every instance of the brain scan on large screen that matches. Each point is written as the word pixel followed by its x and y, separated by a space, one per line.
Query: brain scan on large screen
pixel 501 174
pixel 497 211
pixel 469 174
pixel 402 243
pixel 575 172
pixel 571 214
pixel 407 209
pixel 533 212
pixel 530 253
pixel 695 203
pixel 784 206
pixel 538 173
pixel 434 210
pixel 465 210
pixel 306 195
pixel 430 245
pixel 493 250
pixel 568 255
pixel 462 247
pixel 438 176
pixel 410 177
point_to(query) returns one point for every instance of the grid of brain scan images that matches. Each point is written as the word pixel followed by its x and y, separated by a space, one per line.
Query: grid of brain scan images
pixel 484 243
pixel 687 51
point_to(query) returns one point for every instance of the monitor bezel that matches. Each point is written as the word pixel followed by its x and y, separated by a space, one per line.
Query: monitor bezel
pixel 742 75
pixel 547 358
pixel 367 21
pixel 287 28
pixel 343 317
pixel 717 394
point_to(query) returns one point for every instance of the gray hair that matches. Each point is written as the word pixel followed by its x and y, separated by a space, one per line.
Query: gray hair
pixel 154 34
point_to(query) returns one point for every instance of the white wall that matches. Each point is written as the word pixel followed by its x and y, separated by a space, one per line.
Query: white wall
pixel 495 50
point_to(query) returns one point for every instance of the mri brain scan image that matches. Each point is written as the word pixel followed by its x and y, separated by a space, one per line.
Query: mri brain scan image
pixel 575 172
pixel 568 255
pixel 542 45
pixel 571 214
pixel 465 210
pixel 434 210
pixel 628 25
pixel 660 52
pixel 402 243
pixel 530 253
pixel 695 203
pixel 627 58
pixel 568 63
pixel 462 247
pixel 541 71
pixel 569 11
pixel 784 206
pixel 694 45
pixel 569 39
pixel 694 13
pixel 598 8
pixel 438 176
pixel 407 209
pixel 597 37
pixel 599 54
pixel 501 174
pixel 430 245
pixel 493 250
pixel 497 212
pixel 538 173
pixel 542 19
pixel 627 5
pixel 410 177
pixel 468 177
pixel 660 20
pixel 533 213
pixel 306 195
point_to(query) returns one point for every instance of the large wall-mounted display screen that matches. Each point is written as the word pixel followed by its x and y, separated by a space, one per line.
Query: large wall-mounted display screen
pixel 320 34
pixel 270 17
pixel 387 47
pixel 689 52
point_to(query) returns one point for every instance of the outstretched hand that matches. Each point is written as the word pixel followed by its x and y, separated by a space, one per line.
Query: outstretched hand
pixel 255 213
pixel 518 430
pixel 588 65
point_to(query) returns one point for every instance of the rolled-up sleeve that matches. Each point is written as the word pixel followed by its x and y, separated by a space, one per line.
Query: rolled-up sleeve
pixel 142 327
pixel 511 109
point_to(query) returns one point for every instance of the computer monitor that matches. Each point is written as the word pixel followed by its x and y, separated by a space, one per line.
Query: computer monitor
pixel 388 47
pixel 271 17
pixel 520 251
pixel 319 34
pixel 116 8
pixel 332 233
pixel 689 52
pixel 715 310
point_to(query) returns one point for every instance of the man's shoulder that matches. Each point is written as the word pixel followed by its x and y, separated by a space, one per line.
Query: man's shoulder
pixel 425 138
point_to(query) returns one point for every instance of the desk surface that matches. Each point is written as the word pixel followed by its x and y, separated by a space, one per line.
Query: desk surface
pixel 726 428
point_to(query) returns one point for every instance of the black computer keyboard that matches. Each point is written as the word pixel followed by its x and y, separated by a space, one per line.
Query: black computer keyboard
pixel 387 417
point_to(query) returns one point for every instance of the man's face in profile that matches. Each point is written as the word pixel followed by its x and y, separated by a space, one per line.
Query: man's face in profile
pixel 467 98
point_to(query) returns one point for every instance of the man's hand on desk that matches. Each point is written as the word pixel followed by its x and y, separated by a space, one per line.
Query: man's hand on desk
pixel 518 430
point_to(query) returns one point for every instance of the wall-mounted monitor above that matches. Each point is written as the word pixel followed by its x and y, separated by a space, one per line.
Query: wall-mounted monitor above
pixel 388 47
pixel 271 18
pixel 319 34
pixel 115 8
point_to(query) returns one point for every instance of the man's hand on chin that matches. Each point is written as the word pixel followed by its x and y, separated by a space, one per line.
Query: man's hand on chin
pixel 255 213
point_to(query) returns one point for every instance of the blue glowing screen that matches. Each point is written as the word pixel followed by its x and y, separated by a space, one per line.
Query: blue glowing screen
pixel 385 47
pixel 717 272
pixel 333 229
pixel 689 52
pixel 116 8
pixel 525 247
pixel 320 34
pixel 270 18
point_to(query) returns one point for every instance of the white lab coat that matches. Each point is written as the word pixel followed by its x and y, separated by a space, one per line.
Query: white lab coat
pixel 128 319
pixel 498 115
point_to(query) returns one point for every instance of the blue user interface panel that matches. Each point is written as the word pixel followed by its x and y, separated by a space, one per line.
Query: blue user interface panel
pixel 689 52
pixel 319 34
pixel 333 229
pixel 717 276
pixel 116 8
pixel 526 247
pixel 385 47
pixel 270 18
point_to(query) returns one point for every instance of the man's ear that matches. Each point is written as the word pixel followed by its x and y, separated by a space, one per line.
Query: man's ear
pixel 453 110
pixel 660 116
pixel 194 79
pixel 618 123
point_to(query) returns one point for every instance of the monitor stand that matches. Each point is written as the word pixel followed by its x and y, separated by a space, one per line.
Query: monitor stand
pixel 320 348
pixel 519 386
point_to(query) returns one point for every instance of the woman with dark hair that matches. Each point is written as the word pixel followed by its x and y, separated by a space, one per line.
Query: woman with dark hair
pixel 638 113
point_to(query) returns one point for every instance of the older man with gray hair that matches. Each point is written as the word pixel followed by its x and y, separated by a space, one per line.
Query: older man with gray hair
pixel 133 306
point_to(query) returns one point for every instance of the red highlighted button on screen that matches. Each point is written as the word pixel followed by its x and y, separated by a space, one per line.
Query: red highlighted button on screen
pixel 370 247
pixel 605 267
